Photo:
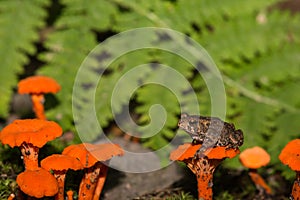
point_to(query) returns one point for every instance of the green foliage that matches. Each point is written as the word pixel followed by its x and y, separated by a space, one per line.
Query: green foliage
pixel 20 22
pixel 225 195
pixel 8 184
pixel 181 196
pixel 253 43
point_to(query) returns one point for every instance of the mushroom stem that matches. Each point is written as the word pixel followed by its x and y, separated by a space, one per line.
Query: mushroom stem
pixel 259 182
pixel 203 168
pixel 205 182
pixel 60 177
pixel 30 156
pixel 101 181
pixel 89 182
pixel 11 197
pixel 296 187
pixel 70 195
pixel 38 105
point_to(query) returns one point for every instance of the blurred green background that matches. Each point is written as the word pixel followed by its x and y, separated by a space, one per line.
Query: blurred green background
pixel 255 45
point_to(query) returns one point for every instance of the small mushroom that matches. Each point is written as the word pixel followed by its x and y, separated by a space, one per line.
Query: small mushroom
pixel 95 159
pixel 254 158
pixel 37 183
pixel 30 135
pixel 203 167
pixel 59 164
pixel 37 86
pixel 70 195
pixel 11 197
pixel 290 155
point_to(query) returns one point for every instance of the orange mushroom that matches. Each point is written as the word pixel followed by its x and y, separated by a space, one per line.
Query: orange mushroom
pixel 11 197
pixel 70 195
pixel 30 135
pixel 59 164
pixel 203 167
pixel 100 182
pixel 290 155
pixel 37 183
pixel 37 86
pixel 254 158
pixel 95 159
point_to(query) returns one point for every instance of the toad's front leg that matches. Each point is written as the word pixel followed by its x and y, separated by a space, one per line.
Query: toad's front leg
pixel 199 154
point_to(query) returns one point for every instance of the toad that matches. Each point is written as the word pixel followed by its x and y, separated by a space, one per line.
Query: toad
pixel 210 132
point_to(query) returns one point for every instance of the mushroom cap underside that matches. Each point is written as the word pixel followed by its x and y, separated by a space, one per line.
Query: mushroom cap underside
pixel 37 183
pixel 89 154
pixel 34 131
pixel 38 85
pixel 59 162
pixel 188 150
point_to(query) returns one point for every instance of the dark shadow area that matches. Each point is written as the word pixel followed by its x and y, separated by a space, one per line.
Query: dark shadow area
pixel 48 149
pixel 51 101
pixel 290 5
pixel 73 179
pixel 188 183
pixel 115 178
pixel 12 156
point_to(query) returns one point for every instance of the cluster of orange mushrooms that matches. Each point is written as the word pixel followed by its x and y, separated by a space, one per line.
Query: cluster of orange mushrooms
pixel 251 158
pixel 47 177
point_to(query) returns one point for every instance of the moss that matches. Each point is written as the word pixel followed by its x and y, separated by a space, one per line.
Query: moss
pixel 8 173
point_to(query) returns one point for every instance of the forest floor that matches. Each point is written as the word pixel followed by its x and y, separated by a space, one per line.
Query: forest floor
pixel 175 179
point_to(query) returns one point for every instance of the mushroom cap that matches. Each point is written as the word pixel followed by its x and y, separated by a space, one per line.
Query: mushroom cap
pixel 188 150
pixel 58 162
pixel 34 131
pixel 290 155
pixel 89 154
pixel 254 157
pixel 38 85
pixel 37 183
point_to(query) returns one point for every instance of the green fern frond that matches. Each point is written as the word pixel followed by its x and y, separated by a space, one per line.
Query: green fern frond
pixel 269 72
pixel 20 22
pixel 245 37
pixel 254 45
pixel 270 124
pixel 63 62
pixel 94 15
